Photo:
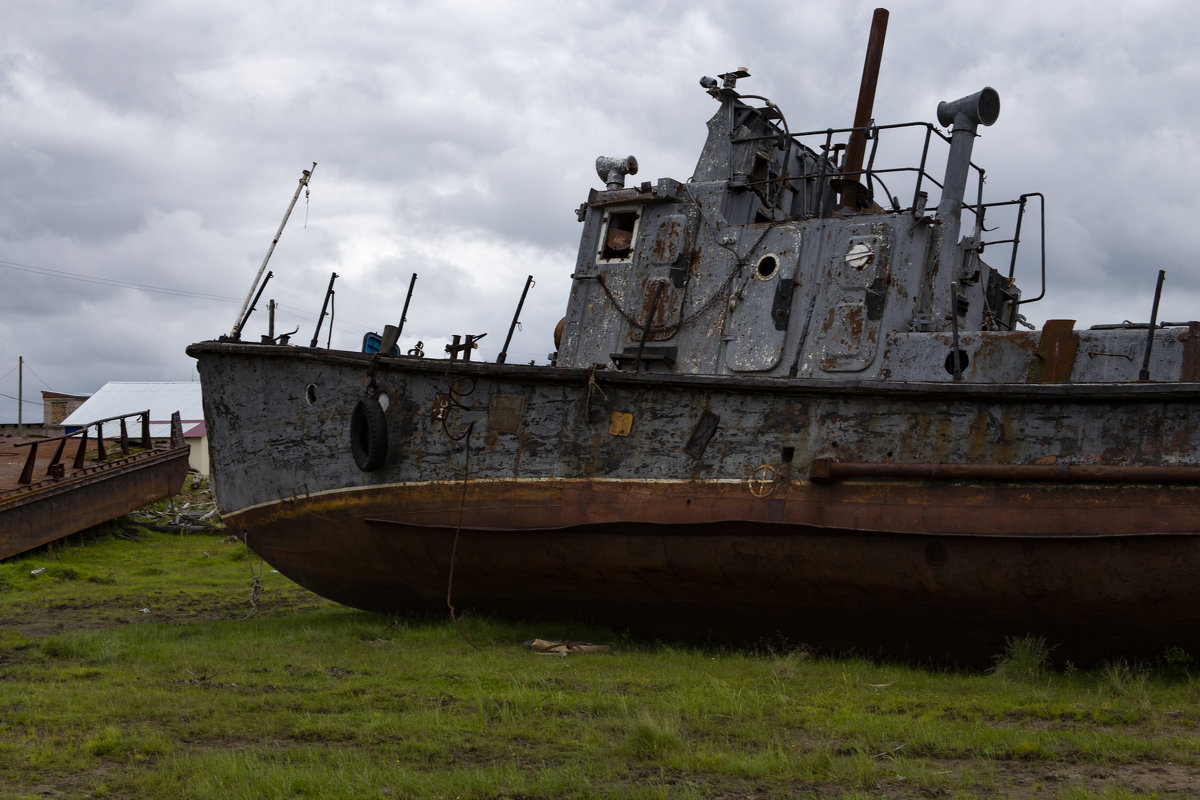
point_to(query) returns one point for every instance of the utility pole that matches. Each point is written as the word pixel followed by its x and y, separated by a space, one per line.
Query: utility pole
pixel 20 392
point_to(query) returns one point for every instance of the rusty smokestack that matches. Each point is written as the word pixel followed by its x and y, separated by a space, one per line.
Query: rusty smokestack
pixel 866 103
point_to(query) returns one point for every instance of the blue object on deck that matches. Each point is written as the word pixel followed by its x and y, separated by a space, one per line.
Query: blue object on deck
pixel 373 341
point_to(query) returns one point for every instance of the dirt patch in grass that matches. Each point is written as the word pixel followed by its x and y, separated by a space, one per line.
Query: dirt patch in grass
pixel 1023 779
pixel 92 607
pixel 172 562
pixel 117 611
pixel 1010 780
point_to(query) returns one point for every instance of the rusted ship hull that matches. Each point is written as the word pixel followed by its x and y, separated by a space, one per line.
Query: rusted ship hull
pixel 941 596
pixel 917 519
pixel 49 509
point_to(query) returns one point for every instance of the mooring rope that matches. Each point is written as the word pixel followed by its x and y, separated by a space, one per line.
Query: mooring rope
pixel 587 403
pixel 462 504
pixel 255 577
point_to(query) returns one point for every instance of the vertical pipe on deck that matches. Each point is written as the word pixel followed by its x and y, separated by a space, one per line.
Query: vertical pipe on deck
pixel 852 164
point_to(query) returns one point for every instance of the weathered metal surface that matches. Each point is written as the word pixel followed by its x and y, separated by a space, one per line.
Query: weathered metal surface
pixel 1190 367
pixel 825 469
pixel 767 415
pixel 1112 424
pixel 50 508
pixel 1055 356
pixel 757 329
pixel 664 561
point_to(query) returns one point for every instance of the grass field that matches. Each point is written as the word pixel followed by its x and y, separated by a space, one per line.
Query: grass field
pixel 132 665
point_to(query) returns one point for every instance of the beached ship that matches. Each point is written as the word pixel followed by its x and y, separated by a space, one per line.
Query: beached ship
pixel 785 403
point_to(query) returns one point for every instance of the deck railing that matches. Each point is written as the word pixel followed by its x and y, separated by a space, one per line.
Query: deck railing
pixel 830 143
pixel 57 469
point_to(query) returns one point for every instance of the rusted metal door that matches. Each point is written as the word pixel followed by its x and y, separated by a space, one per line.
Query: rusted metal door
pixel 849 322
pixel 761 302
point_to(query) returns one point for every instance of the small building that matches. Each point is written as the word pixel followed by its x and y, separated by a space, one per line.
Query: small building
pixel 57 406
pixel 162 399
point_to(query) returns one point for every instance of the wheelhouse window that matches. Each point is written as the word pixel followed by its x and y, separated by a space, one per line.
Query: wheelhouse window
pixel 620 230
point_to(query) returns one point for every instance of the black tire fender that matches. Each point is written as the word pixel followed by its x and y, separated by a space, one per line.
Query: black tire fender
pixel 368 434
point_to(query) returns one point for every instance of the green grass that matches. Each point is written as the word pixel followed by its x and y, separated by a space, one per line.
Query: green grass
pixel 134 669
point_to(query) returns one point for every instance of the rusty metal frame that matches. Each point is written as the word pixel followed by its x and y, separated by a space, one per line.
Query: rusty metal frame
pixel 82 436
pixel 874 131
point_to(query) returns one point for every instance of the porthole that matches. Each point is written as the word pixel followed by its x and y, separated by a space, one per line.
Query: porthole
pixel 859 255
pixel 963 361
pixel 310 394
pixel 768 267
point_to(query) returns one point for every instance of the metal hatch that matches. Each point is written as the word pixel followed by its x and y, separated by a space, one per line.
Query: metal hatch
pixel 858 280
pixel 760 306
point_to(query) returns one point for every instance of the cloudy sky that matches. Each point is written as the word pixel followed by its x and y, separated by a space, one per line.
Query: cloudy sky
pixel 148 151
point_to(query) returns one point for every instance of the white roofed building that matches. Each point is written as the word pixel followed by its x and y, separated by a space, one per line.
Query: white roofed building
pixel 162 399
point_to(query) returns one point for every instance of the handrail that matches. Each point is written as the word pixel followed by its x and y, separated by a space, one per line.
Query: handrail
pixel 873 131
pixel 830 170
pixel 55 466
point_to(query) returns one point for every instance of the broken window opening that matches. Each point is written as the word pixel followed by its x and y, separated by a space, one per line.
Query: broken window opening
pixel 618 236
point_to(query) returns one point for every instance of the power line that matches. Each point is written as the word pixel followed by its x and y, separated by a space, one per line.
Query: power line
pixel 22 400
pixel 39 377
pixel 75 276
pixel 346 326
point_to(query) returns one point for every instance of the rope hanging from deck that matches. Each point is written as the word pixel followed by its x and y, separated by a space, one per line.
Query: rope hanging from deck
pixel 462 504
pixel 255 577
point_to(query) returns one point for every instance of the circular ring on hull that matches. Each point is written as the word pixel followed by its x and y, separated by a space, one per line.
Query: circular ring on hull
pixel 368 434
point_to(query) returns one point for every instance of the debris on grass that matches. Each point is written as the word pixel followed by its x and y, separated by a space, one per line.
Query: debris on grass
pixel 544 647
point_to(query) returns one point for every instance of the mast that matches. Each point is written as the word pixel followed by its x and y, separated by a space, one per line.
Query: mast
pixel 305 175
